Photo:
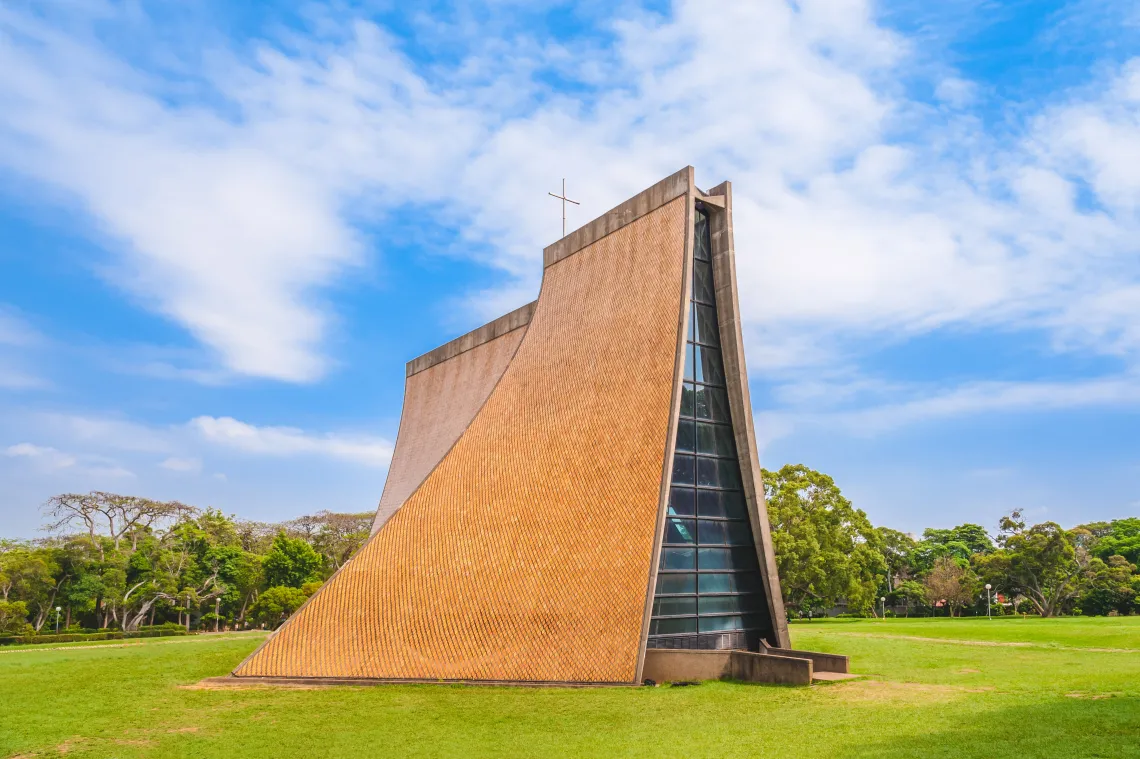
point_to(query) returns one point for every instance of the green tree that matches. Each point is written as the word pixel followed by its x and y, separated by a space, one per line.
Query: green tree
pixel 1120 537
pixel 898 549
pixel 14 618
pixel 291 562
pixel 275 604
pixel 1109 588
pixel 1040 562
pixel 826 550
pixel 951 583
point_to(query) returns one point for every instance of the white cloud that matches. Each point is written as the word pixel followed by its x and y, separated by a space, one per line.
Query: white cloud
pixel 922 404
pixel 51 461
pixel 46 456
pixel 859 210
pixel 176 464
pixel 16 331
pixel 289 441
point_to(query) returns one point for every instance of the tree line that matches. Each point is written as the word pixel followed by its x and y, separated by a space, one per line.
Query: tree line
pixel 124 562
pixel 829 553
pixel 116 562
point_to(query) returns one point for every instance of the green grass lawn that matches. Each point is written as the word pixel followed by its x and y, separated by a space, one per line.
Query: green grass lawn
pixel 1022 688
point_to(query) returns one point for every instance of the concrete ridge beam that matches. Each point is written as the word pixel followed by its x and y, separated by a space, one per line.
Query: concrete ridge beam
pixel 520 317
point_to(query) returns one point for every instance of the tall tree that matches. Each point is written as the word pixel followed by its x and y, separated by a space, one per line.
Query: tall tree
pixel 951 583
pixel 826 549
pixel 291 562
pixel 1038 562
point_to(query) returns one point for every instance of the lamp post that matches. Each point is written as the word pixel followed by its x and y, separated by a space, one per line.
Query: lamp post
pixel 883 603
pixel 988 586
pixel 58 609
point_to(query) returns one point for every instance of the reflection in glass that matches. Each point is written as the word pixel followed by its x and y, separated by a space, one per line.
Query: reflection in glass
pixel 735 582
pixel 683 531
pixel 688 398
pixel 673 626
pixel 707 366
pixel 704 325
pixel 718 473
pixel 725 605
pixel 715 440
pixel 718 503
pixel 701 237
pixel 716 624
pixel 681 501
pixel 668 607
pixel 676 583
pixel 682 470
pixel 713 533
pixel 678 558
pixel 702 282
pixel 686 436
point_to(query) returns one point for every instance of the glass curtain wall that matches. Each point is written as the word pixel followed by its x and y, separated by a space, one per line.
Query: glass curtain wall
pixel 709 593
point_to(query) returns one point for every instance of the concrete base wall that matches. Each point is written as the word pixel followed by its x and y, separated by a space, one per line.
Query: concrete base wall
pixel 820 662
pixel 667 665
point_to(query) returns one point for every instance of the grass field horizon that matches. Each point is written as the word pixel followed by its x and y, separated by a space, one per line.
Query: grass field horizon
pixel 1005 687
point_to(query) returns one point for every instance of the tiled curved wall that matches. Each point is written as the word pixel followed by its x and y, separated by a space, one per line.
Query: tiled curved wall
pixel 525 555
pixel 439 404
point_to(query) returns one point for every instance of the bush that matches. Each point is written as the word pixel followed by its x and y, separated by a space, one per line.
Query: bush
pixel 11 640
pixel 275 604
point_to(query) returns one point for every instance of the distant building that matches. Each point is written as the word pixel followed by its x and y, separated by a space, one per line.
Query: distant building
pixel 573 484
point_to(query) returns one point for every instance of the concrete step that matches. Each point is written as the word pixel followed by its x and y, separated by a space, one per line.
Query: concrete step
pixel 827 677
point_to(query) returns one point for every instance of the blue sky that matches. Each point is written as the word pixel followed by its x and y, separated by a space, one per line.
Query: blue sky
pixel 225 228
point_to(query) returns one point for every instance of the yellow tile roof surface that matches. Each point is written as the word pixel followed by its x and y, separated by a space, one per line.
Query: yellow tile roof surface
pixel 525 555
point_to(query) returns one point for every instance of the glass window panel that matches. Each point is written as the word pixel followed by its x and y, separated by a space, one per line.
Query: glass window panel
pixel 710 403
pixel 738 533
pixel 678 558
pixel 715 558
pixel 673 607
pixel 682 531
pixel 716 404
pixel 686 436
pixel 716 503
pixel 689 361
pixel 681 501
pixel 701 402
pixel 688 398
pixel 704 325
pixel 683 470
pixel 715 439
pixel 701 236
pixel 715 624
pixel 726 558
pixel 707 367
pixel 702 282
pixel 741 582
pixel 674 626
pixel 726 604
pixel 712 533
pixel 718 473
pixel 671 583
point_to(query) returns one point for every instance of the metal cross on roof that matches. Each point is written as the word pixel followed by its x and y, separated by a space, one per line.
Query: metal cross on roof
pixel 564 200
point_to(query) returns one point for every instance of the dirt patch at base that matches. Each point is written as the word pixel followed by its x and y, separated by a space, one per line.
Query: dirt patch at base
pixel 238 685
pixel 880 690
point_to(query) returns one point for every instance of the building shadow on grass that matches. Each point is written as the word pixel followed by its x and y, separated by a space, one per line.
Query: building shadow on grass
pixel 1068 727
